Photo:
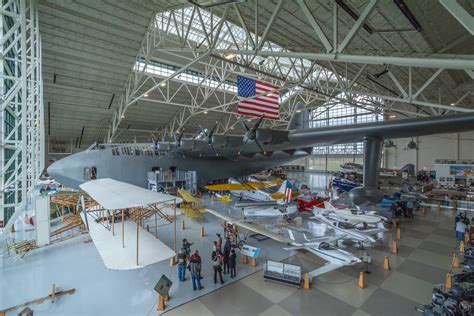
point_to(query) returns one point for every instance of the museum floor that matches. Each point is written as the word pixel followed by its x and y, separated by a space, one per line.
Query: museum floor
pixel 426 249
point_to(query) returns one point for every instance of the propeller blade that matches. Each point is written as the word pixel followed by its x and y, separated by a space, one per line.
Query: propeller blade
pixel 244 125
pixel 180 136
pixel 240 150
pixel 256 126
pixel 213 130
pixel 259 146
pixel 215 151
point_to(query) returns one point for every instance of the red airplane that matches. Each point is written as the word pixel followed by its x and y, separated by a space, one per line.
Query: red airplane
pixel 305 205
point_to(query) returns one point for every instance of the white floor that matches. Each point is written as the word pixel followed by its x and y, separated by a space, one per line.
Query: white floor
pixel 100 291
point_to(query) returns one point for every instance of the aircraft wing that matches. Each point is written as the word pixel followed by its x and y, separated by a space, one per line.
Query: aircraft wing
pixel 252 227
pixel 229 187
pixel 324 269
pixel 373 231
pixel 411 127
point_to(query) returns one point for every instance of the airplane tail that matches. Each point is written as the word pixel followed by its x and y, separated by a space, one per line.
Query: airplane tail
pixel 282 187
pixel 292 237
pixel 328 206
pixel 300 118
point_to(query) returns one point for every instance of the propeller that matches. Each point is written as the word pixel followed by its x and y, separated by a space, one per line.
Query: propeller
pixel 177 139
pixel 208 135
pixel 251 134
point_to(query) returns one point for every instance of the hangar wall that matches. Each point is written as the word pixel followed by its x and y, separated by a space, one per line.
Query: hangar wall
pixel 430 148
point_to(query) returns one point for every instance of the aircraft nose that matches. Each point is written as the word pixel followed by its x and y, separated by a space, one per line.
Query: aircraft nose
pixel 55 170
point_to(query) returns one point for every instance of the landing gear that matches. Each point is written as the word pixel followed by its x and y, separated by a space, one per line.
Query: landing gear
pixel 361 245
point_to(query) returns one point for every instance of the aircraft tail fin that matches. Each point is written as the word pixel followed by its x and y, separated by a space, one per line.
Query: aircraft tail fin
pixel 292 237
pixel 300 118
pixel 328 206
pixel 283 187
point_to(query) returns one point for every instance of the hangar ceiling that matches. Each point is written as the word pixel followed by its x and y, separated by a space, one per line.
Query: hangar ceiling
pixel 90 49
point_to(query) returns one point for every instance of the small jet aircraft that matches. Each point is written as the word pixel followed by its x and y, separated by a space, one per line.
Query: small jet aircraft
pixel 348 230
pixel 319 246
pixel 353 215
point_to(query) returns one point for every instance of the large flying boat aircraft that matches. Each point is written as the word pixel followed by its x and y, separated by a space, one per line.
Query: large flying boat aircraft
pixel 224 156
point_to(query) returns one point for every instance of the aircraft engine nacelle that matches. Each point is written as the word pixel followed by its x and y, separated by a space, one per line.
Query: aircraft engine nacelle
pixel 365 195
pixel 271 136
pixel 165 146
pixel 193 144
pixel 234 181
pixel 253 179
pixel 224 141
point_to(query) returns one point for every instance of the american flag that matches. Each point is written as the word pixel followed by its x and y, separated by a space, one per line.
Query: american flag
pixel 266 104
pixel 288 192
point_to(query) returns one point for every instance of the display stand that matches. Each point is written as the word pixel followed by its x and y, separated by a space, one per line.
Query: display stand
pixel 283 273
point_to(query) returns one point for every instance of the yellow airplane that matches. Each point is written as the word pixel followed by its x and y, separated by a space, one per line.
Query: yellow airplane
pixel 252 190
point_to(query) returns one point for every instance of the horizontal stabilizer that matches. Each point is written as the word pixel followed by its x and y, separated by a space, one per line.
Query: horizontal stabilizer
pixel 324 269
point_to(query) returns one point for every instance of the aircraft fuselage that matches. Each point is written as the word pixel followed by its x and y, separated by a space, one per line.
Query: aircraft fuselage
pixel 131 162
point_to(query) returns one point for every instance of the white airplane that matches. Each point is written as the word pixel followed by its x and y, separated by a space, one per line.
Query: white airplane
pixel 354 216
pixel 265 211
pixel 343 227
pixel 319 246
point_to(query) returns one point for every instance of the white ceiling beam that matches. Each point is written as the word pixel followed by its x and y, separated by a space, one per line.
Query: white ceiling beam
pixel 470 73
pixel 462 97
pixel 427 83
pixel 460 14
pixel 361 70
pixel 270 24
pixel 315 25
pixel 356 27
pixel 398 84
pixel 427 62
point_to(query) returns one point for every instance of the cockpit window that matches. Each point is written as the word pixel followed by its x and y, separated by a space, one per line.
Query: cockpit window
pixel 346 225
pixel 90 173
pixel 325 246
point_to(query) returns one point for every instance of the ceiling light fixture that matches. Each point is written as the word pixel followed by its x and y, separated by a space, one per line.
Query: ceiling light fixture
pixel 452 104
pixel 123 116
pixel 392 116
pixel 162 84
pixel 229 56
pixel 146 95
pixel 205 112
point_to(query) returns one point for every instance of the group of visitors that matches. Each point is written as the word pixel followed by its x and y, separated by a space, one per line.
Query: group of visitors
pixel 223 259
pixel 192 262
pixel 402 208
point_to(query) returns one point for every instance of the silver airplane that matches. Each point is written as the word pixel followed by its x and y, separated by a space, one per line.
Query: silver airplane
pixel 343 227
pixel 223 156
pixel 319 246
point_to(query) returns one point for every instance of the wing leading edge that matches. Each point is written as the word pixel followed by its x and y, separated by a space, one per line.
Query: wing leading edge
pixel 383 130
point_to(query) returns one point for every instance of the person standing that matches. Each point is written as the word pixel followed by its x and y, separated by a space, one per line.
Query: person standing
pixel 197 257
pixel 226 255
pixel 219 242
pixel 195 269
pixel 217 265
pixel 182 265
pixel 410 206
pixel 460 230
pixel 187 247
pixel 446 200
pixel 232 263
